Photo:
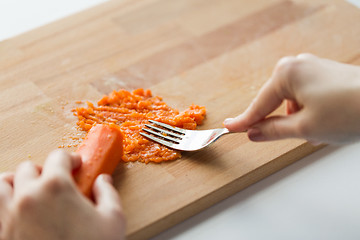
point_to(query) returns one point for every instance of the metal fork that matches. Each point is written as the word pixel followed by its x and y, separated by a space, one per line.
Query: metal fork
pixel 181 139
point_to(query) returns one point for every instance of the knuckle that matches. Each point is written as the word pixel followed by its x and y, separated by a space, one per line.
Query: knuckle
pixel 59 152
pixel 305 56
pixel 25 202
pixel 286 59
pixel 286 69
pixel 56 184
pixel 25 165
pixel 292 69
pixel 58 155
pixel 285 63
pixel 291 65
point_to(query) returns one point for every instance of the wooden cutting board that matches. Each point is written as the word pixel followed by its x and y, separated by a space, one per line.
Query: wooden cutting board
pixel 208 52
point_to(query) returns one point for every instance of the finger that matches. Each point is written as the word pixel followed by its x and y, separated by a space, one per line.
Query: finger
pixel 269 98
pixel 275 128
pixel 7 177
pixel 106 197
pixel 306 56
pixel 76 156
pixel 25 173
pixel 6 187
pixel 265 102
pixel 6 194
pixel 60 163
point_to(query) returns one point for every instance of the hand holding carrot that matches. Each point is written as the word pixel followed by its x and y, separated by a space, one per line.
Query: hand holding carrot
pixel 44 203
pixel 323 102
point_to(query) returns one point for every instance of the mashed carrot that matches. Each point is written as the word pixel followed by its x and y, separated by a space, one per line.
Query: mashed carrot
pixel 131 111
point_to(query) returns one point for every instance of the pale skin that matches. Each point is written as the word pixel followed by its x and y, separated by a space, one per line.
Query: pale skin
pixel 322 99
pixel 44 203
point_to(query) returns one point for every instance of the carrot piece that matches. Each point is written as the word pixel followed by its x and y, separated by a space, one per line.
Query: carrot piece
pixel 100 152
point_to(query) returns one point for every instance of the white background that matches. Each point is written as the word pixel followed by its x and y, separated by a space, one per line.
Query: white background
pixel 318 197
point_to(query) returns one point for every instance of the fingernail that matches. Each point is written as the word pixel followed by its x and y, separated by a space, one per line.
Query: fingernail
pixel 256 135
pixel 228 120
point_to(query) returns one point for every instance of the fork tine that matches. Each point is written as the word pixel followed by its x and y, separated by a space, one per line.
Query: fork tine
pixel 171 128
pixel 155 139
pixel 158 134
pixel 162 130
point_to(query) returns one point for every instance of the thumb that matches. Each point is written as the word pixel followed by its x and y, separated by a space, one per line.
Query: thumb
pixel 106 197
pixel 275 128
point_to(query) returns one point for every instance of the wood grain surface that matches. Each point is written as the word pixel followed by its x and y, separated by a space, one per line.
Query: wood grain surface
pixel 208 52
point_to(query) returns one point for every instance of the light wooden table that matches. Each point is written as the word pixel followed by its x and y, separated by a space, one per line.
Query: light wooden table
pixel 315 198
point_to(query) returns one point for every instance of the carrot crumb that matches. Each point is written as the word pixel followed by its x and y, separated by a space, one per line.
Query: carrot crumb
pixel 131 111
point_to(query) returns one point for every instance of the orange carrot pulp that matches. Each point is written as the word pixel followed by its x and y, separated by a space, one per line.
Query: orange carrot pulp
pixel 101 151
pixel 131 111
